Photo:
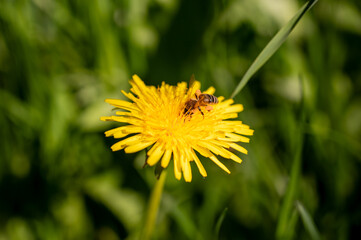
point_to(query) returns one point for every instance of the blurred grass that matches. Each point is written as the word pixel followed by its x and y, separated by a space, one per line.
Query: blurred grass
pixel 59 60
pixel 272 47
pixel 308 222
pixel 285 225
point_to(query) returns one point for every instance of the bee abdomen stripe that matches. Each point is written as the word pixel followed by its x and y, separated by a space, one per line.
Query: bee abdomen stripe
pixel 213 99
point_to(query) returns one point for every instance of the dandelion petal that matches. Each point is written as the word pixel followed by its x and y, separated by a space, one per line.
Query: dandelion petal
pixel 166 158
pixel 199 164
pixel 187 171
pixel 216 161
pixel 155 156
pixel 137 147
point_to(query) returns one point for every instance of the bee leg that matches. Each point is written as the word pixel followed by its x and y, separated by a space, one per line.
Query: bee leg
pixel 188 114
pixel 198 92
pixel 201 111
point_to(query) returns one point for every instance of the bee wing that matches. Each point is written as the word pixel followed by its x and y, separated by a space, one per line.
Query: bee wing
pixel 192 80
pixel 193 86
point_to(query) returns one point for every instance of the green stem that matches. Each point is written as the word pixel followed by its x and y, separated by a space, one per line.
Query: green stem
pixel 153 206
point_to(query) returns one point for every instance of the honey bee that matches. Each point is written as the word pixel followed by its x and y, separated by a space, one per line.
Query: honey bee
pixel 201 100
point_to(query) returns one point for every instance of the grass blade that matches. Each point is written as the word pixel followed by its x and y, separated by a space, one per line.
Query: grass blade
pixel 287 205
pixel 308 222
pixel 219 222
pixel 272 47
pixel 283 225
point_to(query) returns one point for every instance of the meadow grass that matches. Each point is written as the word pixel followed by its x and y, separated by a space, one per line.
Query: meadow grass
pixel 59 60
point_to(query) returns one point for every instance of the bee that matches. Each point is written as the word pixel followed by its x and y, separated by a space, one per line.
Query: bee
pixel 201 100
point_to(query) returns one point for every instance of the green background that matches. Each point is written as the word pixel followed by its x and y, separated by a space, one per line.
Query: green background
pixel 59 60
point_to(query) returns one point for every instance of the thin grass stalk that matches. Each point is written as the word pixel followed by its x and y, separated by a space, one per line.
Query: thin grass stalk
pixel 153 207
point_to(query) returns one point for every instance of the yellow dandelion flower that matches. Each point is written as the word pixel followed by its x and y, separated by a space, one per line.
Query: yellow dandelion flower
pixel 155 118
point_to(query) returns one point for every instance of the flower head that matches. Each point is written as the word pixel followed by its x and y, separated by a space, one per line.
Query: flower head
pixel 156 118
